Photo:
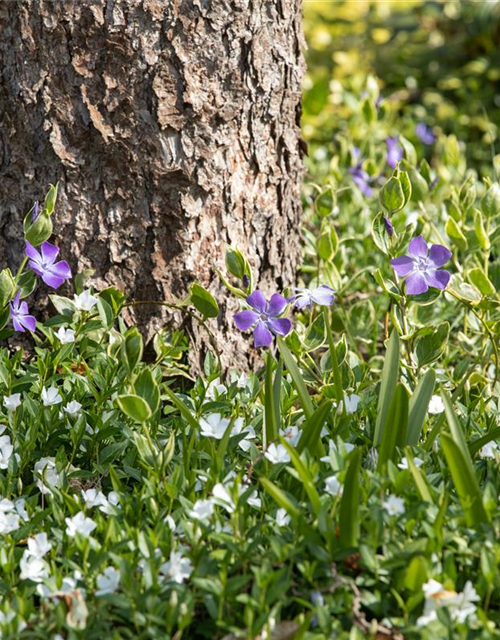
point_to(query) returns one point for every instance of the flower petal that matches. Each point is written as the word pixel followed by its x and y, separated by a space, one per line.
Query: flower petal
pixel 49 252
pixel 262 336
pixel 31 252
pixel 29 322
pixel 402 265
pixel 418 247
pixel 258 301
pixel 415 284
pixel 277 305
pixel 439 255
pixel 244 320
pixel 437 278
pixel 17 325
pixel 323 295
pixel 281 326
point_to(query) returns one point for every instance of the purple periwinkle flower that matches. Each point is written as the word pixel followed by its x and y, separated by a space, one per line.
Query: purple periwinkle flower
pixel 263 317
pixel 394 151
pixel 422 268
pixel 359 176
pixel 44 264
pixel 322 295
pixel 20 315
pixel 388 226
pixel 425 133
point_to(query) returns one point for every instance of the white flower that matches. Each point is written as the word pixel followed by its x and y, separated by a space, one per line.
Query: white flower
pixel 110 503
pixel 242 381
pixel 343 449
pixel 72 408
pixel 214 390
pixel 46 468
pixel 202 510
pixel 11 403
pixel 170 522
pixel 80 524
pixel 277 453
pixel 9 522
pixel 436 405
pixel 93 498
pixel 333 486
pixel 6 451
pixel 460 605
pixel 39 545
pixel 178 568
pixel 108 581
pixel 33 568
pixel 254 501
pixel 214 426
pixel 351 403
pixel 291 435
pixel 490 450
pixel 223 498
pixel 65 335
pixel 394 506
pixel 282 518
pixel 404 463
pixel 249 434
pixel 85 301
pixel 51 396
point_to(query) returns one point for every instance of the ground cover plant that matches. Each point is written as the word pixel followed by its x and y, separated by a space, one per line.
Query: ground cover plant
pixel 348 488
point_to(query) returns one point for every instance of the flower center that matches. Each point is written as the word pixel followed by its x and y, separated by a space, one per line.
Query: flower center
pixel 422 264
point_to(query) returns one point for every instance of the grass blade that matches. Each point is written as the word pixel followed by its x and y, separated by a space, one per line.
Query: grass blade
pixel 270 426
pixel 298 380
pixel 395 427
pixel 390 375
pixel 418 477
pixel 281 498
pixel 311 431
pixel 305 477
pixel 349 504
pixel 419 404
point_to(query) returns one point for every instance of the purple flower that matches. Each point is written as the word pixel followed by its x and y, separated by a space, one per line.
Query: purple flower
pixel 422 267
pixel 264 318
pixel 246 281
pixel 322 295
pixel 388 226
pixel 424 133
pixel 359 176
pixel 394 151
pixel 20 315
pixel 44 264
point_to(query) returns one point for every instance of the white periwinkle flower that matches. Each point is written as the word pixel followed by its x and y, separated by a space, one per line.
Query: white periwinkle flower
pixel 9 522
pixel 282 518
pixel 45 473
pixel 215 389
pixel 6 451
pixel 108 581
pixel 460 606
pixel 405 465
pixel 223 498
pixel 33 568
pixel 436 405
pixel 202 510
pixel 178 568
pixel 51 396
pixel 277 453
pixel 85 301
pixel 333 486
pixel 65 335
pixel 214 426
pixel 291 435
pixel 39 545
pixel 12 402
pixel 93 498
pixel 394 506
pixel 351 403
pixel 490 450
pixel 79 524
pixel 72 408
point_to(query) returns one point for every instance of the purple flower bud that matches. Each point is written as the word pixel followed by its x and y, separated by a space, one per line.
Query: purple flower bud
pixel 35 212
pixel 388 226
pixel 246 281
pixel 425 133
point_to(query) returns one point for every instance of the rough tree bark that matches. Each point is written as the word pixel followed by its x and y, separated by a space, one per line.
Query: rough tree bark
pixel 172 127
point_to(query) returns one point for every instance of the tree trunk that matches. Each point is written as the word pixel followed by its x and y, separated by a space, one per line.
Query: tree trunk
pixel 172 127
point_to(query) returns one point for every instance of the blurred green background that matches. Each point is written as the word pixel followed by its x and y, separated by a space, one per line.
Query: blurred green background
pixel 433 62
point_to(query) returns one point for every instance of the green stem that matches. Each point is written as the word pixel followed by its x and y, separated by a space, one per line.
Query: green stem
pixel 337 376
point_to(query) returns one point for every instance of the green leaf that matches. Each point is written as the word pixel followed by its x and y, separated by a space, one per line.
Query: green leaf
pixel 184 411
pixel 479 443
pixel 455 234
pixel 131 349
pixel 204 301
pixel 395 427
pixel 379 234
pixel 7 287
pixel 325 202
pixel 419 403
pixel 490 204
pixel 311 430
pixel 390 375
pixel 235 263
pixel 304 475
pixel 327 244
pixel 281 498
pixel 38 231
pixel 392 195
pixel 349 504
pixel 465 482
pixel 147 388
pixel 418 477
pixel 50 199
pixel 298 380
pixel 432 344
pixel 478 278
pixel 134 407
pixel 480 231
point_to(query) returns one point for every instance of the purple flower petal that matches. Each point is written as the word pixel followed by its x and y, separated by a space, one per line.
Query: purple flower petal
pixel 437 278
pixel 244 320
pixel 258 301
pixel 23 308
pixel 301 301
pixel 415 284
pixel 56 274
pixel 262 336
pixel 439 255
pixel 277 305
pixel 403 265
pixel 32 253
pixel 52 280
pixel 323 295
pixel 29 322
pixel 49 253
pixel 394 151
pixel 35 266
pixel 281 326
pixel 17 325
pixel 418 247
